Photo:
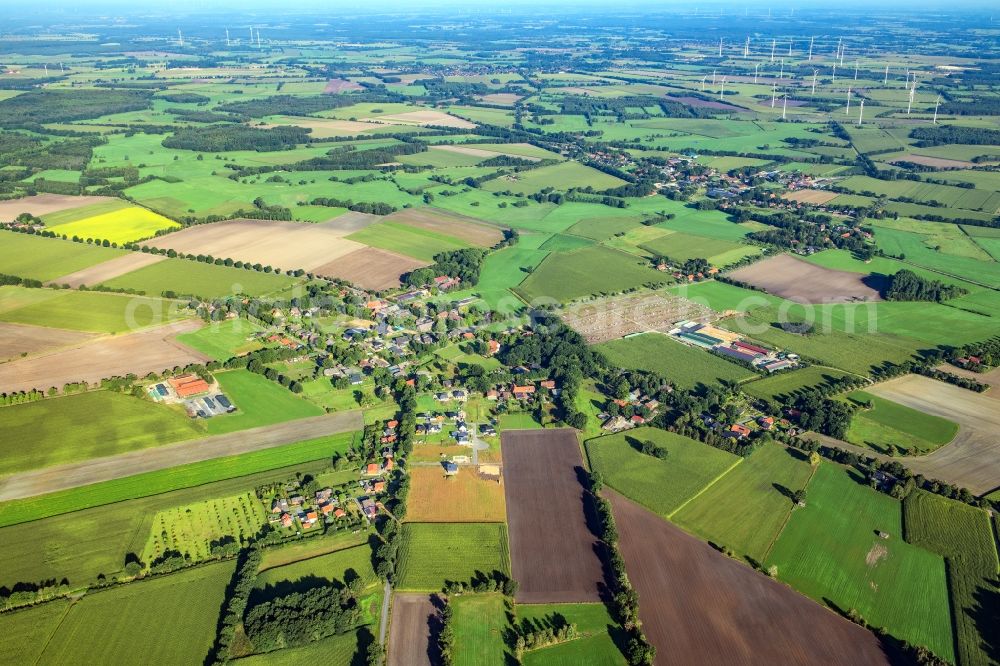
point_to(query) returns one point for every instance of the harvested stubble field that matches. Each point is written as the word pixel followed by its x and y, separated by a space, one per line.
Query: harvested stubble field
pixel 151 350
pixel 553 551
pixel 422 118
pixel 43 204
pixel 697 605
pixel 615 317
pixel 108 270
pixel 810 196
pixel 370 268
pixel 285 245
pixel 803 282
pixel 413 616
pixel 972 459
pixel 462 498
pixel 22 339
pixel 936 162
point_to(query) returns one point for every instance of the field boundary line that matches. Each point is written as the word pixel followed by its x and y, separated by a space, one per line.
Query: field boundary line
pixel 785 522
pixel 55 630
pixel 709 485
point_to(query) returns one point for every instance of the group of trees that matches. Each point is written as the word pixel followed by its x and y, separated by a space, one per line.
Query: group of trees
pixel 943 134
pixel 905 285
pixel 298 618
pixel 370 207
pixel 221 138
pixel 463 264
pixel 34 108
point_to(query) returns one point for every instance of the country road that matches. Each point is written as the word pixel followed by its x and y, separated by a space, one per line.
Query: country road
pixel 73 475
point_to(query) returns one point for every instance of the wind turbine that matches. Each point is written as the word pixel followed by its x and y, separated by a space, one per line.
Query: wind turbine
pixel 811 39
pixel 703 82
pixel 755 68
pixel 773 44
pixel 713 77
pixel 258 37
pixel 861 112
pixel 885 81
pixel 856 63
pixel 781 74
pixel 180 38
pixel 774 93
pixel 789 49
pixel 909 104
pixel 227 36
pixel 720 47
pixel 840 40
pixel 814 82
pixel 848 110
pixel 784 106
pixel 834 72
pixel 722 90
pixel 936 105
pixel 746 48
pixel 46 70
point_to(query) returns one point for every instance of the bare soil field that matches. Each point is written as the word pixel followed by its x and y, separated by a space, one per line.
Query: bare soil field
pixel 501 99
pixel 96 470
pixel 802 282
pixel 478 152
pixel 699 606
pixel 285 245
pixel 109 269
pixel 324 128
pixel 810 196
pixel 937 162
pixel 335 86
pixel 462 498
pixel 615 317
pixel 43 204
pixel 972 459
pixel 992 378
pixel 350 222
pixel 553 553
pixel 429 117
pixel 93 359
pixel 369 268
pixel 18 339
pixel 464 228
pixel 414 618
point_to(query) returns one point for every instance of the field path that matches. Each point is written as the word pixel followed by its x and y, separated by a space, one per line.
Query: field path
pixel 73 475
pixel 108 270
pixel 972 459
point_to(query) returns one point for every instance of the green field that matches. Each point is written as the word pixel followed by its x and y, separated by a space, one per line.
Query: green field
pixel 685 366
pixel 336 566
pixel 963 536
pixel 166 620
pixel 223 340
pixel 83 426
pixel 830 550
pixel 88 311
pixel 560 176
pixel 175 478
pixel 410 241
pixel 190 529
pixel 680 247
pixel 120 226
pixel 480 623
pixel 889 423
pixel 662 485
pixel 788 383
pixel 259 402
pixel 44 259
pixel 748 507
pixel 564 276
pixel 186 277
pixel 594 624
pixel 431 554
pixel 902 243
pixel 348 648
pixel 28 632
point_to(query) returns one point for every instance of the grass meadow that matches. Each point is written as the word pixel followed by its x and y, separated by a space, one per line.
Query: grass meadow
pixel 889 423
pixel 480 625
pixel 90 311
pixel 186 277
pixel 747 508
pixel 789 383
pixel 595 645
pixel 662 485
pixel 683 365
pixel 83 426
pixel 565 276
pixel 259 402
pixel 831 551
pixel 431 554
pixel 44 259
pixel 223 340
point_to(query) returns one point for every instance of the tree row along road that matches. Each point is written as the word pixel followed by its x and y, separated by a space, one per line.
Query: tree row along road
pixel 73 475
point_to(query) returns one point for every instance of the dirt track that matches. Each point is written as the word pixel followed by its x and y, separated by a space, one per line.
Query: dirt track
pixel 150 350
pixel 413 616
pixel 61 477
pixel 701 607
pixel 552 550
pixel 17 339
pixel 108 270
pixel 972 459
pixel 803 282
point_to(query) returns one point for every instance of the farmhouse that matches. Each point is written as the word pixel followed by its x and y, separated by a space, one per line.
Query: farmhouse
pixel 188 385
